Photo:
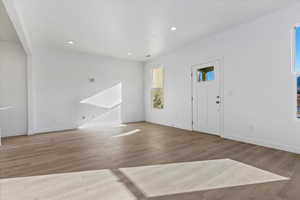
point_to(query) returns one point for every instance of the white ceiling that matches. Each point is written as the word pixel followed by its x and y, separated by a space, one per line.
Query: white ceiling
pixel 116 27
pixel 7 31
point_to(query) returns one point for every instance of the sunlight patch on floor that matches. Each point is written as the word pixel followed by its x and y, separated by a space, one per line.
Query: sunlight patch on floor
pixel 128 133
pixel 160 180
pixel 91 185
pixel 151 181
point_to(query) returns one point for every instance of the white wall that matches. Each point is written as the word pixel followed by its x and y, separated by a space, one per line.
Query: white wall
pixel 259 87
pixel 60 80
pixel 13 90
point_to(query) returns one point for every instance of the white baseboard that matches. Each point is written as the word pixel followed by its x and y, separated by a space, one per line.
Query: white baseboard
pixel 41 131
pixel 169 125
pixel 283 147
pixel 292 149
pixel 14 134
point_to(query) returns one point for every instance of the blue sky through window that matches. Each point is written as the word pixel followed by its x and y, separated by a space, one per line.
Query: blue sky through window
pixel 297 49
pixel 211 76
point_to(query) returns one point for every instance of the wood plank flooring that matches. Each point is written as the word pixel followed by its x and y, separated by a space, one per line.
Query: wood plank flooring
pixel 149 144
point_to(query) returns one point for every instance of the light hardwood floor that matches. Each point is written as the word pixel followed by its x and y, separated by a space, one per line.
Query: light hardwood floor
pixel 144 144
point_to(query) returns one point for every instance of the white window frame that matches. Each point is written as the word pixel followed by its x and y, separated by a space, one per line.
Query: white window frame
pixel 293 67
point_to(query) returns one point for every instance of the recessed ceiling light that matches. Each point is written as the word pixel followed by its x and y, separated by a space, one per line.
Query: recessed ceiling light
pixel 129 53
pixel 70 42
pixel 173 28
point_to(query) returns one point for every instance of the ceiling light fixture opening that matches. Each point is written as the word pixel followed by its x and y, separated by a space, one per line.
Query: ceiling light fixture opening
pixel 173 28
pixel 70 42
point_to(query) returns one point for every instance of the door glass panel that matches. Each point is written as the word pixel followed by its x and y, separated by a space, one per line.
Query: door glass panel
pixel 206 74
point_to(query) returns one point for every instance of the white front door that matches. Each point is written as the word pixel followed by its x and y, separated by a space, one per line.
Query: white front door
pixel 206 97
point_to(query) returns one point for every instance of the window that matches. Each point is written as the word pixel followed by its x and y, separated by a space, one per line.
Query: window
pixel 297 50
pixel 157 90
pixel 298 97
pixel 206 74
pixel 297 66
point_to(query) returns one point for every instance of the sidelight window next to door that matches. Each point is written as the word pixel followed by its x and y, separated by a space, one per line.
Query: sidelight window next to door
pixel 297 66
pixel 298 97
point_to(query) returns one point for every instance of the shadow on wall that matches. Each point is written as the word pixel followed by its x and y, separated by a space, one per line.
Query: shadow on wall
pixel 105 108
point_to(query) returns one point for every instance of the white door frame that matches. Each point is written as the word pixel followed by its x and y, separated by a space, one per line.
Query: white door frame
pixel 220 62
